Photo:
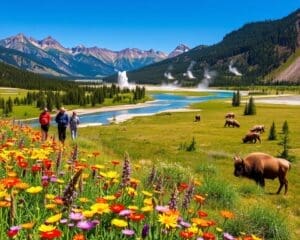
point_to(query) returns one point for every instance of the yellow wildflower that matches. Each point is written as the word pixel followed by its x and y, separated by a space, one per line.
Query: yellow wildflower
pixel 54 219
pixel 119 223
pixel 100 208
pixel 148 201
pixel 46 228
pixel 147 209
pixel 88 213
pixel 50 206
pixel 109 197
pixel 34 190
pixel 147 194
pixel 169 221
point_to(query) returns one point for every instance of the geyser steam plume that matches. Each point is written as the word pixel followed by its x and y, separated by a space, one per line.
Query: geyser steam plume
pixel 233 69
pixel 123 80
pixel 188 72
pixel 208 78
pixel 168 73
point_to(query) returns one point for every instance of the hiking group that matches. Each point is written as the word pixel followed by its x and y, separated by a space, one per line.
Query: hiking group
pixel 63 121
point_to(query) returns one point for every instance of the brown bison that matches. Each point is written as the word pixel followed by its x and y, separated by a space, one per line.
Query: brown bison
pixel 251 137
pixel 260 166
pixel 231 122
pixel 230 115
pixel 197 118
pixel 258 128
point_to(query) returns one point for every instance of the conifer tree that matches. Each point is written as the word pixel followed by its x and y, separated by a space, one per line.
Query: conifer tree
pixel 272 134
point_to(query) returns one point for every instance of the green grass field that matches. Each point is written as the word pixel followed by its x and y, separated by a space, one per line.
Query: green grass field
pixel 159 139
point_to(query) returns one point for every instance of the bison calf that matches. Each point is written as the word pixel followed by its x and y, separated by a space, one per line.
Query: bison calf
pixel 197 118
pixel 261 166
pixel 230 115
pixel 251 137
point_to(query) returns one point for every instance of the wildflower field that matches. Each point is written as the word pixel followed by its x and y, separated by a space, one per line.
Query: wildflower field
pixel 50 193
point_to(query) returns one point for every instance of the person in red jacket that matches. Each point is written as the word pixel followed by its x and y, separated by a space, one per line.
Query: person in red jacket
pixel 45 120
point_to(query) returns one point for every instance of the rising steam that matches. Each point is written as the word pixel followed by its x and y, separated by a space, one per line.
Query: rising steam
pixel 189 73
pixel 208 78
pixel 168 74
pixel 234 69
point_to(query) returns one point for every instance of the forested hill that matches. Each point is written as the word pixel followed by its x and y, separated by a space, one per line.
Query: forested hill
pixel 13 77
pixel 253 50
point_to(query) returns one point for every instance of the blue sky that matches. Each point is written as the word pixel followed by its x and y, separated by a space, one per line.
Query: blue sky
pixel 144 24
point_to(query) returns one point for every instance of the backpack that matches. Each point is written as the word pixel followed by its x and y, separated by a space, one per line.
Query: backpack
pixel 44 120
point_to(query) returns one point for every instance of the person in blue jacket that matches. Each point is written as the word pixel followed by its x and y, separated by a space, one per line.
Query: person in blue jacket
pixel 62 120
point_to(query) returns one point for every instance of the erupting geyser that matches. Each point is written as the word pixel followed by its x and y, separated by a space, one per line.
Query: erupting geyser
pixel 123 80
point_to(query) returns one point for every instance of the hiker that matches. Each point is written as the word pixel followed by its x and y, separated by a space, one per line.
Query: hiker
pixel 62 120
pixel 45 120
pixel 74 121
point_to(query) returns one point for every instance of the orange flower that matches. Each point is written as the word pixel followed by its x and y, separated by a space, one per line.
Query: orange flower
pixel 199 199
pixel 96 153
pixel 78 237
pixel 4 204
pixel 227 214
pixel 10 182
pixel 115 162
pixel 136 217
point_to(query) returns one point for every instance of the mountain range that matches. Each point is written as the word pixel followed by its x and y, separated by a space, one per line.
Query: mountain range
pixel 48 56
pixel 257 53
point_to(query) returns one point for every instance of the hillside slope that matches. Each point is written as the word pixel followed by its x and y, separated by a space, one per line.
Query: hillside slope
pixel 244 56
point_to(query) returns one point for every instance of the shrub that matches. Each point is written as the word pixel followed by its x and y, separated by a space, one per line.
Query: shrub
pixel 261 221
pixel 220 194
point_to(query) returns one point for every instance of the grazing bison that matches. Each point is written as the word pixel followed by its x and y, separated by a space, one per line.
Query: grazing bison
pixel 252 137
pixel 230 115
pixel 258 128
pixel 260 166
pixel 197 118
pixel 231 122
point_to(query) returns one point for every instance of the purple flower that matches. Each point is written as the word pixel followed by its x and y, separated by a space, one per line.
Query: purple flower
pixel 184 224
pixel 125 212
pixel 145 231
pixel 162 209
pixel 44 178
pixel 70 224
pixel 76 216
pixel 128 232
pixel 85 225
pixel 227 236
pixel 15 228
pixel 63 221
pixel 53 179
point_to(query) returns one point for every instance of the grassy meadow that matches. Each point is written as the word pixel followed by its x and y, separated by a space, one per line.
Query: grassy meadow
pixel 174 161
pixel 158 139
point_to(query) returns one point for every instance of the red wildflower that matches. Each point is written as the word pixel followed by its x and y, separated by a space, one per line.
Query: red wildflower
pixel 47 163
pixel 101 200
pixel 116 208
pixel 136 217
pixel 12 233
pixel 186 234
pixel 208 236
pixel 36 168
pixel 22 164
pixel 202 214
pixel 182 186
pixel 51 234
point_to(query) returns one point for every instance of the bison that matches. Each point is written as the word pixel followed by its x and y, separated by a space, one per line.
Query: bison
pixel 231 122
pixel 258 128
pixel 197 118
pixel 260 166
pixel 251 137
pixel 230 115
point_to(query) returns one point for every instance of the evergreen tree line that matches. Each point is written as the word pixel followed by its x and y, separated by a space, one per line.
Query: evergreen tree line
pixel 77 96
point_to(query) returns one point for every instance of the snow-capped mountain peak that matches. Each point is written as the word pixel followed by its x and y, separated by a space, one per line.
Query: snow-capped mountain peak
pixel 181 48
